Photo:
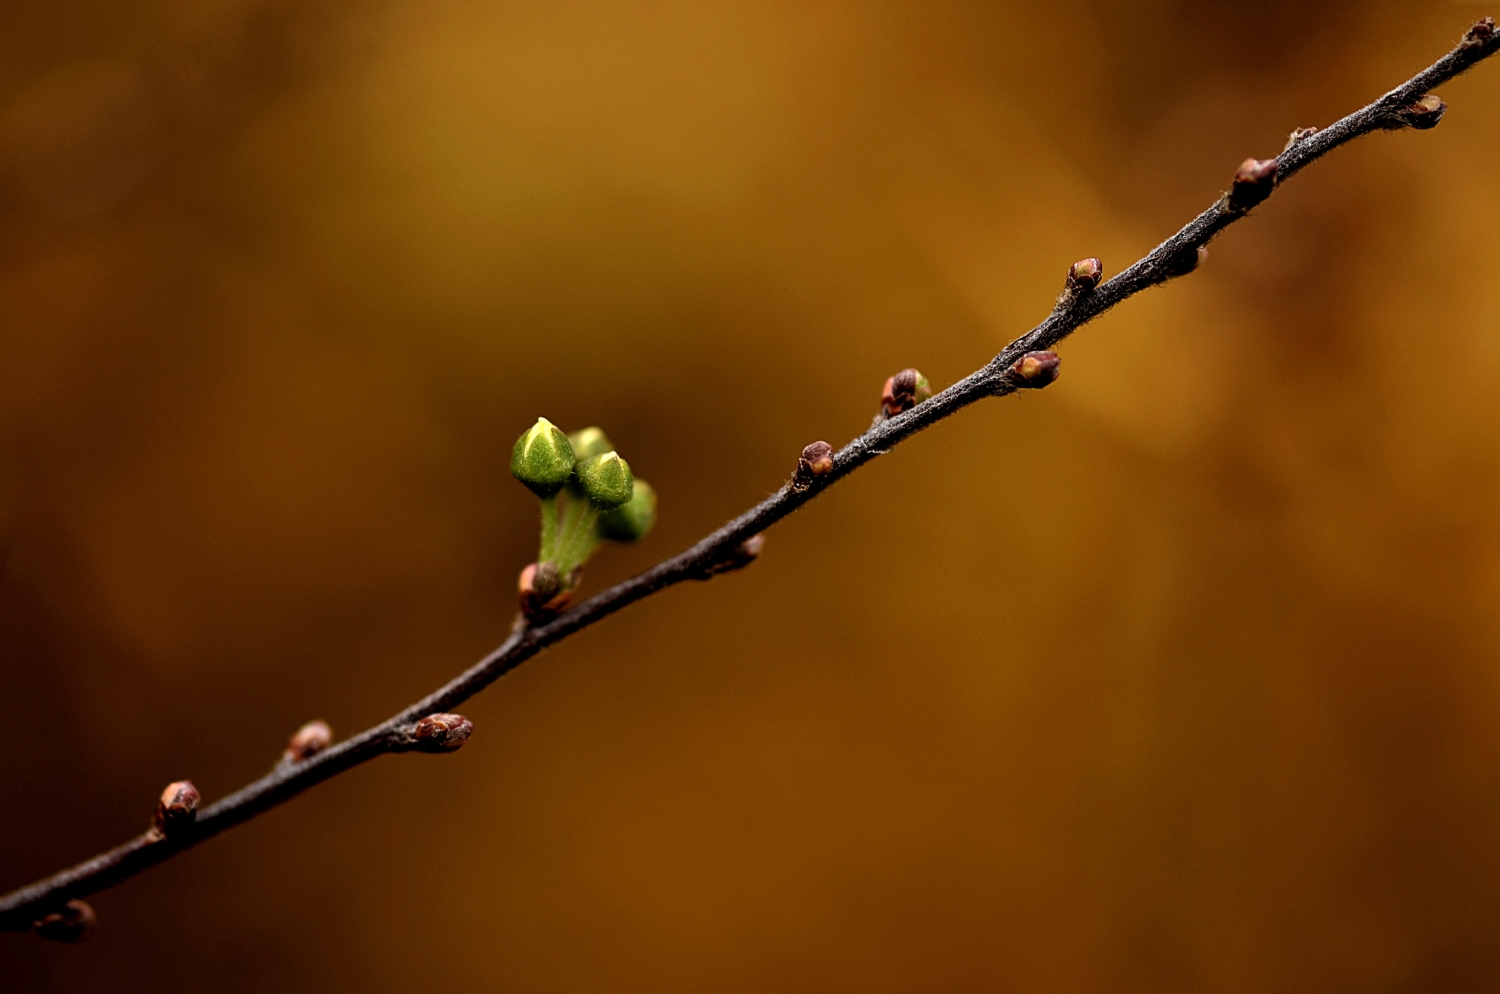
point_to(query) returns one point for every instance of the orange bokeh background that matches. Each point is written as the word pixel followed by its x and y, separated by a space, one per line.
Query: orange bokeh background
pixel 1181 675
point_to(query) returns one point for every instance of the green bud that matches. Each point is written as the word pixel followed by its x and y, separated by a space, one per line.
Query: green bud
pixel 606 480
pixel 543 459
pixel 590 441
pixel 632 520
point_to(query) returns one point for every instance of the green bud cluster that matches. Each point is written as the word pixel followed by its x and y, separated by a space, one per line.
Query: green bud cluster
pixel 588 495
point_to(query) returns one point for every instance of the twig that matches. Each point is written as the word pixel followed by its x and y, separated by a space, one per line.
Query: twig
pixel 1023 363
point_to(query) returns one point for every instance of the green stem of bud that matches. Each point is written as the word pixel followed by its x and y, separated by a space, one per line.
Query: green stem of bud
pixel 579 545
pixel 549 529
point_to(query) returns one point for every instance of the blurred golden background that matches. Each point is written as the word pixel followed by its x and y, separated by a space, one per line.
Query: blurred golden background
pixel 1183 675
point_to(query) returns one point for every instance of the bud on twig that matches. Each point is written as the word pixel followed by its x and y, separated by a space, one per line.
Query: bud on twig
pixel 307 741
pixel 1035 370
pixel 632 520
pixel 1084 275
pixel 904 391
pixel 606 480
pixel 739 557
pixel 1186 259
pixel 542 592
pixel 543 459
pixel 1253 182
pixel 1299 135
pixel 74 923
pixel 177 808
pixel 1482 32
pixel 816 460
pixel 442 732
pixel 1422 113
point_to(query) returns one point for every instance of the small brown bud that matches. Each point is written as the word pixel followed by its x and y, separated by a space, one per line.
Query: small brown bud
pixel 1186 259
pixel 904 391
pixel 442 732
pixel 1035 370
pixel 1084 275
pixel 307 741
pixel 739 557
pixel 1481 33
pixel 1253 182
pixel 816 460
pixel 74 923
pixel 1300 135
pixel 177 808
pixel 542 593
pixel 1423 113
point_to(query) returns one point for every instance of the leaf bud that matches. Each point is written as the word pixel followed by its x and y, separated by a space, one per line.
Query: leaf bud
pixel 739 557
pixel 177 808
pixel 543 459
pixel 590 441
pixel 1423 113
pixel 542 593
pixel 904 391
pixel 442 732
pixel 1035 370
pixel 606 480
pixel 1299 135
pixel 816 460
pixel 1084 275
pixel 307 741
pixel 633 519
pixel 1482 32
pixel 74 923
pixel 1186 259
pixel 1253 182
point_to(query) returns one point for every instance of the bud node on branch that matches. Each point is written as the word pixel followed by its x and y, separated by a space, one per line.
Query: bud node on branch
pixel 176 808
pixel 307 741
pixel 74 923
pixel 441 733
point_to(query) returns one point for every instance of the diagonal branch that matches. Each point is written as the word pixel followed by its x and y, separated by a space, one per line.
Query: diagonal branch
pixel 1022 363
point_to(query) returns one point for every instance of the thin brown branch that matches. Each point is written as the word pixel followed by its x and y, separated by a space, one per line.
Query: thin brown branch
pixel 733 545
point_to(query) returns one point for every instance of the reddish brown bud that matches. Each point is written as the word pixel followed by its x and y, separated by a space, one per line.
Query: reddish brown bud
pixel 816 460
pixel 1481 33
pixel 177 808
pixel 74 923
pixel 1084 275
pixel 1186 259
pixel 1253 182
pixel 1423 113
pixel 442 732
pixel 309 740
pixel 543 595
pixel 739 557
pixel 1035 370
pixel 904 391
